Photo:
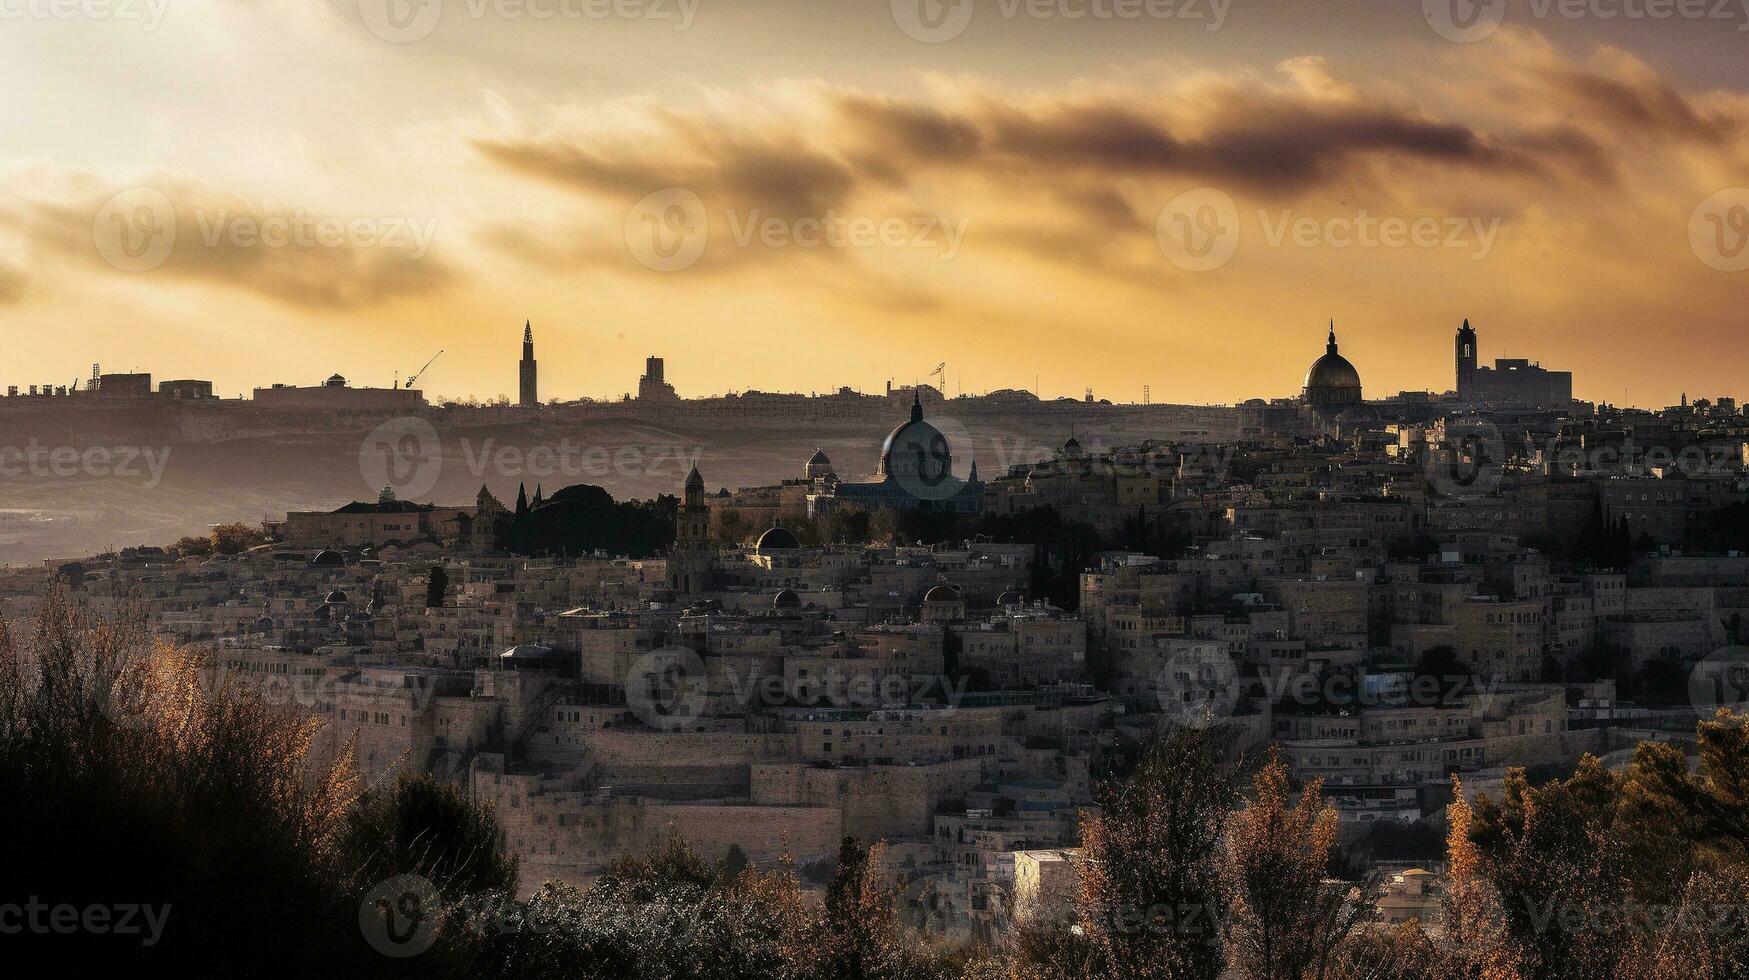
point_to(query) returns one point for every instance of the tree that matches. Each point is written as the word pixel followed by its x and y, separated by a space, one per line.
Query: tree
pixel 436 587
pixel 1151 899
pixel 1288 919
pixel 234 539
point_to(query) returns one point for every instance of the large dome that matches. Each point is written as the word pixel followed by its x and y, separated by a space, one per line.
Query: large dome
pixel 916 451
pixel 776 539
pixel 1331 380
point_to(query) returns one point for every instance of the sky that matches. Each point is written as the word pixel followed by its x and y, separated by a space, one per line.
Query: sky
pixel 797 196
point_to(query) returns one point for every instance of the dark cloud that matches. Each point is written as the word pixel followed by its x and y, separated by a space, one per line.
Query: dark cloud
pixel 299 258
pixel 783 179
pixel 1645 106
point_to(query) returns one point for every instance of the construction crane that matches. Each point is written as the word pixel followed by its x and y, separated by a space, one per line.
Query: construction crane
pixel 940 374
pixel 415 375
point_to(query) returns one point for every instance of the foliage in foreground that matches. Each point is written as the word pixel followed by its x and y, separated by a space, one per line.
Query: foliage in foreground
pixel 128 779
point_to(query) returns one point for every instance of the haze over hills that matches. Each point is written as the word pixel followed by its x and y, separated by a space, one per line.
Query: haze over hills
pixel 172 471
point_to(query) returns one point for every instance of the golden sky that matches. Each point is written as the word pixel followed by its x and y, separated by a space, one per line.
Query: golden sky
pixel 795 196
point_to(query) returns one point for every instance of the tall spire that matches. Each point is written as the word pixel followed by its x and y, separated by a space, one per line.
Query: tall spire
pixel 916 405
pixel 1330 345
pixel 528 331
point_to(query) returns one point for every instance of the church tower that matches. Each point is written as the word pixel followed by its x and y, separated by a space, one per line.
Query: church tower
pixel 529 397
pixel 1466 359
pixel 689 563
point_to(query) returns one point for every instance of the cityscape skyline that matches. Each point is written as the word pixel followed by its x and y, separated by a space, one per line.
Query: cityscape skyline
pixel 948 384
pixel 862 203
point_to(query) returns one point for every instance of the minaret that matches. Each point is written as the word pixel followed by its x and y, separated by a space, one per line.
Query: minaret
pixel 529 399
pixel 1466 359
pixel 1330 344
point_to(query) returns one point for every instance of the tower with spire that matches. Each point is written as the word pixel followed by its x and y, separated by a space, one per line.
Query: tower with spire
pixel 1466 360
pixel 530 397
pixel 689 563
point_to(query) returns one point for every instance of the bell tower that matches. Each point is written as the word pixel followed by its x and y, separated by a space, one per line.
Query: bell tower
pixel 1466 359
pixel 689 563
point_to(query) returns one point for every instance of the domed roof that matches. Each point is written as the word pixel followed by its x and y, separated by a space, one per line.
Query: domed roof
pixel 786 599
pixel 335 596
pixel 777 539
pixel 1331 379
pixel 526 651
pixel 942 593
pixel 916 450
pixel 328 558
pixel 1013 597
pixel 1332 371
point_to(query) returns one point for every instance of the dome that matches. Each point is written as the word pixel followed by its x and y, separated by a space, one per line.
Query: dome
pixel 526 651
pixel 1013 597
pixel 336 597
pixel 1331 379
pixel 777 539
pixel 786 599
pixel 941 593
pixel 329 558
pixel 335 381
pixel 916 451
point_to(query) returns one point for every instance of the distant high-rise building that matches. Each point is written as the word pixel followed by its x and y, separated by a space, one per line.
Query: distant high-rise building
pixel 530 397
pixel 1466 358
pixel 652 387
